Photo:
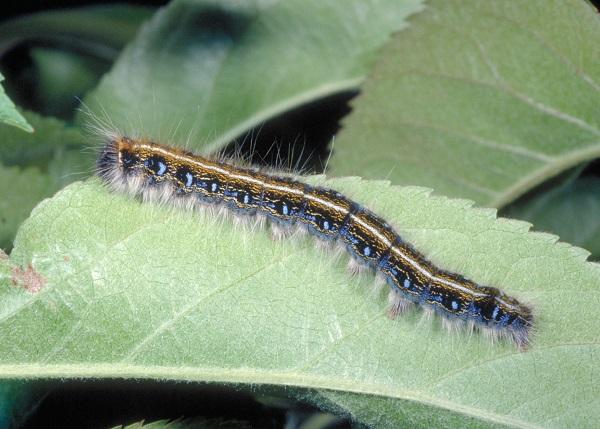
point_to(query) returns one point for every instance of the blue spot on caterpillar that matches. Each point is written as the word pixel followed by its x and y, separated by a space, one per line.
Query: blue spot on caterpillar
pixel 325 213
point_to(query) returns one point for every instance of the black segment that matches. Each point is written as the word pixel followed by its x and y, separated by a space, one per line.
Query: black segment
pixel 213 186
pixel 507 318
pixel 358 233
pixel 487 304
pixel 245 199
pixel 156 164
pixel 283 208
pixel 354 208
pixel 284 205
pixel 185 177
pixel 452 304
pixel 328 220
pixel 299 207
pixel 403 281
pixel 150 163
pixel 128 159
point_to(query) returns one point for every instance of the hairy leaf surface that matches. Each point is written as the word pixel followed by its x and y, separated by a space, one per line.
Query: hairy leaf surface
pixel 127 289
pixel 480 100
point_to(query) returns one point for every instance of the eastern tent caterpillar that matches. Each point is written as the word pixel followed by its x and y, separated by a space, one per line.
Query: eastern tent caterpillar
pixel 157 172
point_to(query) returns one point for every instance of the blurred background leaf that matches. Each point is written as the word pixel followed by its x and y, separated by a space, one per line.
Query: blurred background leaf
pixel 188 424
pixel 570 211
pixel 203 73
pixel 34 166
pixel 9 113
pixel 480 100
pixel 53 57
pixel 18 400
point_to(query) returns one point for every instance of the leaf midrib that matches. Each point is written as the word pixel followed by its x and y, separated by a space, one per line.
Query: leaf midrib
pixel 254 377
pixel 548 171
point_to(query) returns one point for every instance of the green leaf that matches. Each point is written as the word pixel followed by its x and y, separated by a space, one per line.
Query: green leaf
pixel 39 148
pixel 195 423
pixel 21 190
pixel 34 166
pixel 205 72
pixel 9 113
pixel 482 100
pixel 138 290
pixel 319 421
pixel 61 77
pixel 569 211
pixel 17 400
pixel 83 28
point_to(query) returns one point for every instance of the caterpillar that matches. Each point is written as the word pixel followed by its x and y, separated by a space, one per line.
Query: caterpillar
pixel 154 171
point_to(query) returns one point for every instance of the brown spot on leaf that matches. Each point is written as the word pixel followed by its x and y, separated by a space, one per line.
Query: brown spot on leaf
pixel 29 279
pixel 3 256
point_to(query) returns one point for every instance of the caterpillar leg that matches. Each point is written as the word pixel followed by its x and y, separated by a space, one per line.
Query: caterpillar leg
pixel 398 304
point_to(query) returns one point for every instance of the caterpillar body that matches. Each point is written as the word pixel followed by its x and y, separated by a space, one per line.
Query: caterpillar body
pixel 155 171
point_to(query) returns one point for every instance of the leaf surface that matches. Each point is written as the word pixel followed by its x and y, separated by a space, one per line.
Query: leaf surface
pixel 569 211
pixel 203 73
pixel 17 401
pixel 138 290
pixel 196 423
pixel 9 114
pixel 83 28
pixel 51 136
pixel 34 166
pixel 21 190
pixel 481 100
